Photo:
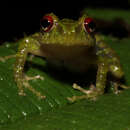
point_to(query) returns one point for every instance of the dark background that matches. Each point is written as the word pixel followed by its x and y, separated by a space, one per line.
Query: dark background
pixel 22 17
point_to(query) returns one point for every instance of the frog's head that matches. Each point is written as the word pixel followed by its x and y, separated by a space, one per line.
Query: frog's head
pixel 67 31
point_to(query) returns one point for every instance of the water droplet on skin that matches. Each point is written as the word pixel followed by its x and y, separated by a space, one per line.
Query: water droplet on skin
pixel 27 40
pixel 115 68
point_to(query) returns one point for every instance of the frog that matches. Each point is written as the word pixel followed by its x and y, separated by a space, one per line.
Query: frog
pixel 74 45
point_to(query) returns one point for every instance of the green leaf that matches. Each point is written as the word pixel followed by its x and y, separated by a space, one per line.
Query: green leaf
pixel 109 111
pixel 108 14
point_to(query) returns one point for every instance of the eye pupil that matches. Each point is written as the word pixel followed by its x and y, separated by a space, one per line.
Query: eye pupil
pixel 46 23
pixel 89 25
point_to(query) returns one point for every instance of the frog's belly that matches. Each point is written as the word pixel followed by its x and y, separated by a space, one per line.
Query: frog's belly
pixel 74 66
pixel 75 58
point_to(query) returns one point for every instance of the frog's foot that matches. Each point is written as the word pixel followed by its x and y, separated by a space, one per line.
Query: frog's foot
pixel 29 87
pixel 34 77
pixel 92 93
pixel 119 85
pixel 4 58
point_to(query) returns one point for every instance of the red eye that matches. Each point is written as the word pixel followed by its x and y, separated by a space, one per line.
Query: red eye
pixel 89 25
pixel 46 23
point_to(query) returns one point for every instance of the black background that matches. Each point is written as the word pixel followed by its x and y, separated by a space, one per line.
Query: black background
pixel 21 17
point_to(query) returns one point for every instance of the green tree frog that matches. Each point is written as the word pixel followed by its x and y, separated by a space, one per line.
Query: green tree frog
pixel 72 44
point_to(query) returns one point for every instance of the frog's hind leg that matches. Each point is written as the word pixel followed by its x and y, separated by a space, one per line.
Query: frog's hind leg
pixel 117 72
pixel 88 93
pixel 93 92
pixel 118 85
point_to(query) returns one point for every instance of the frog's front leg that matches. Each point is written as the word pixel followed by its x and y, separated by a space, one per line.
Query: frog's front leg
pixel 27 45
pixel 93 92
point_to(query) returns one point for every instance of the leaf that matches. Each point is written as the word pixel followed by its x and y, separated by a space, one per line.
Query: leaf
pixel 110 111
pixel 108 14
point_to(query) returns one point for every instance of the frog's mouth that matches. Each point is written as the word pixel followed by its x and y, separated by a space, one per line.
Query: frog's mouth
pixel 70 42
pixel 66 39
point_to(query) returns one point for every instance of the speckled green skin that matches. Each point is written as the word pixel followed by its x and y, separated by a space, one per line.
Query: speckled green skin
pixel 68 44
